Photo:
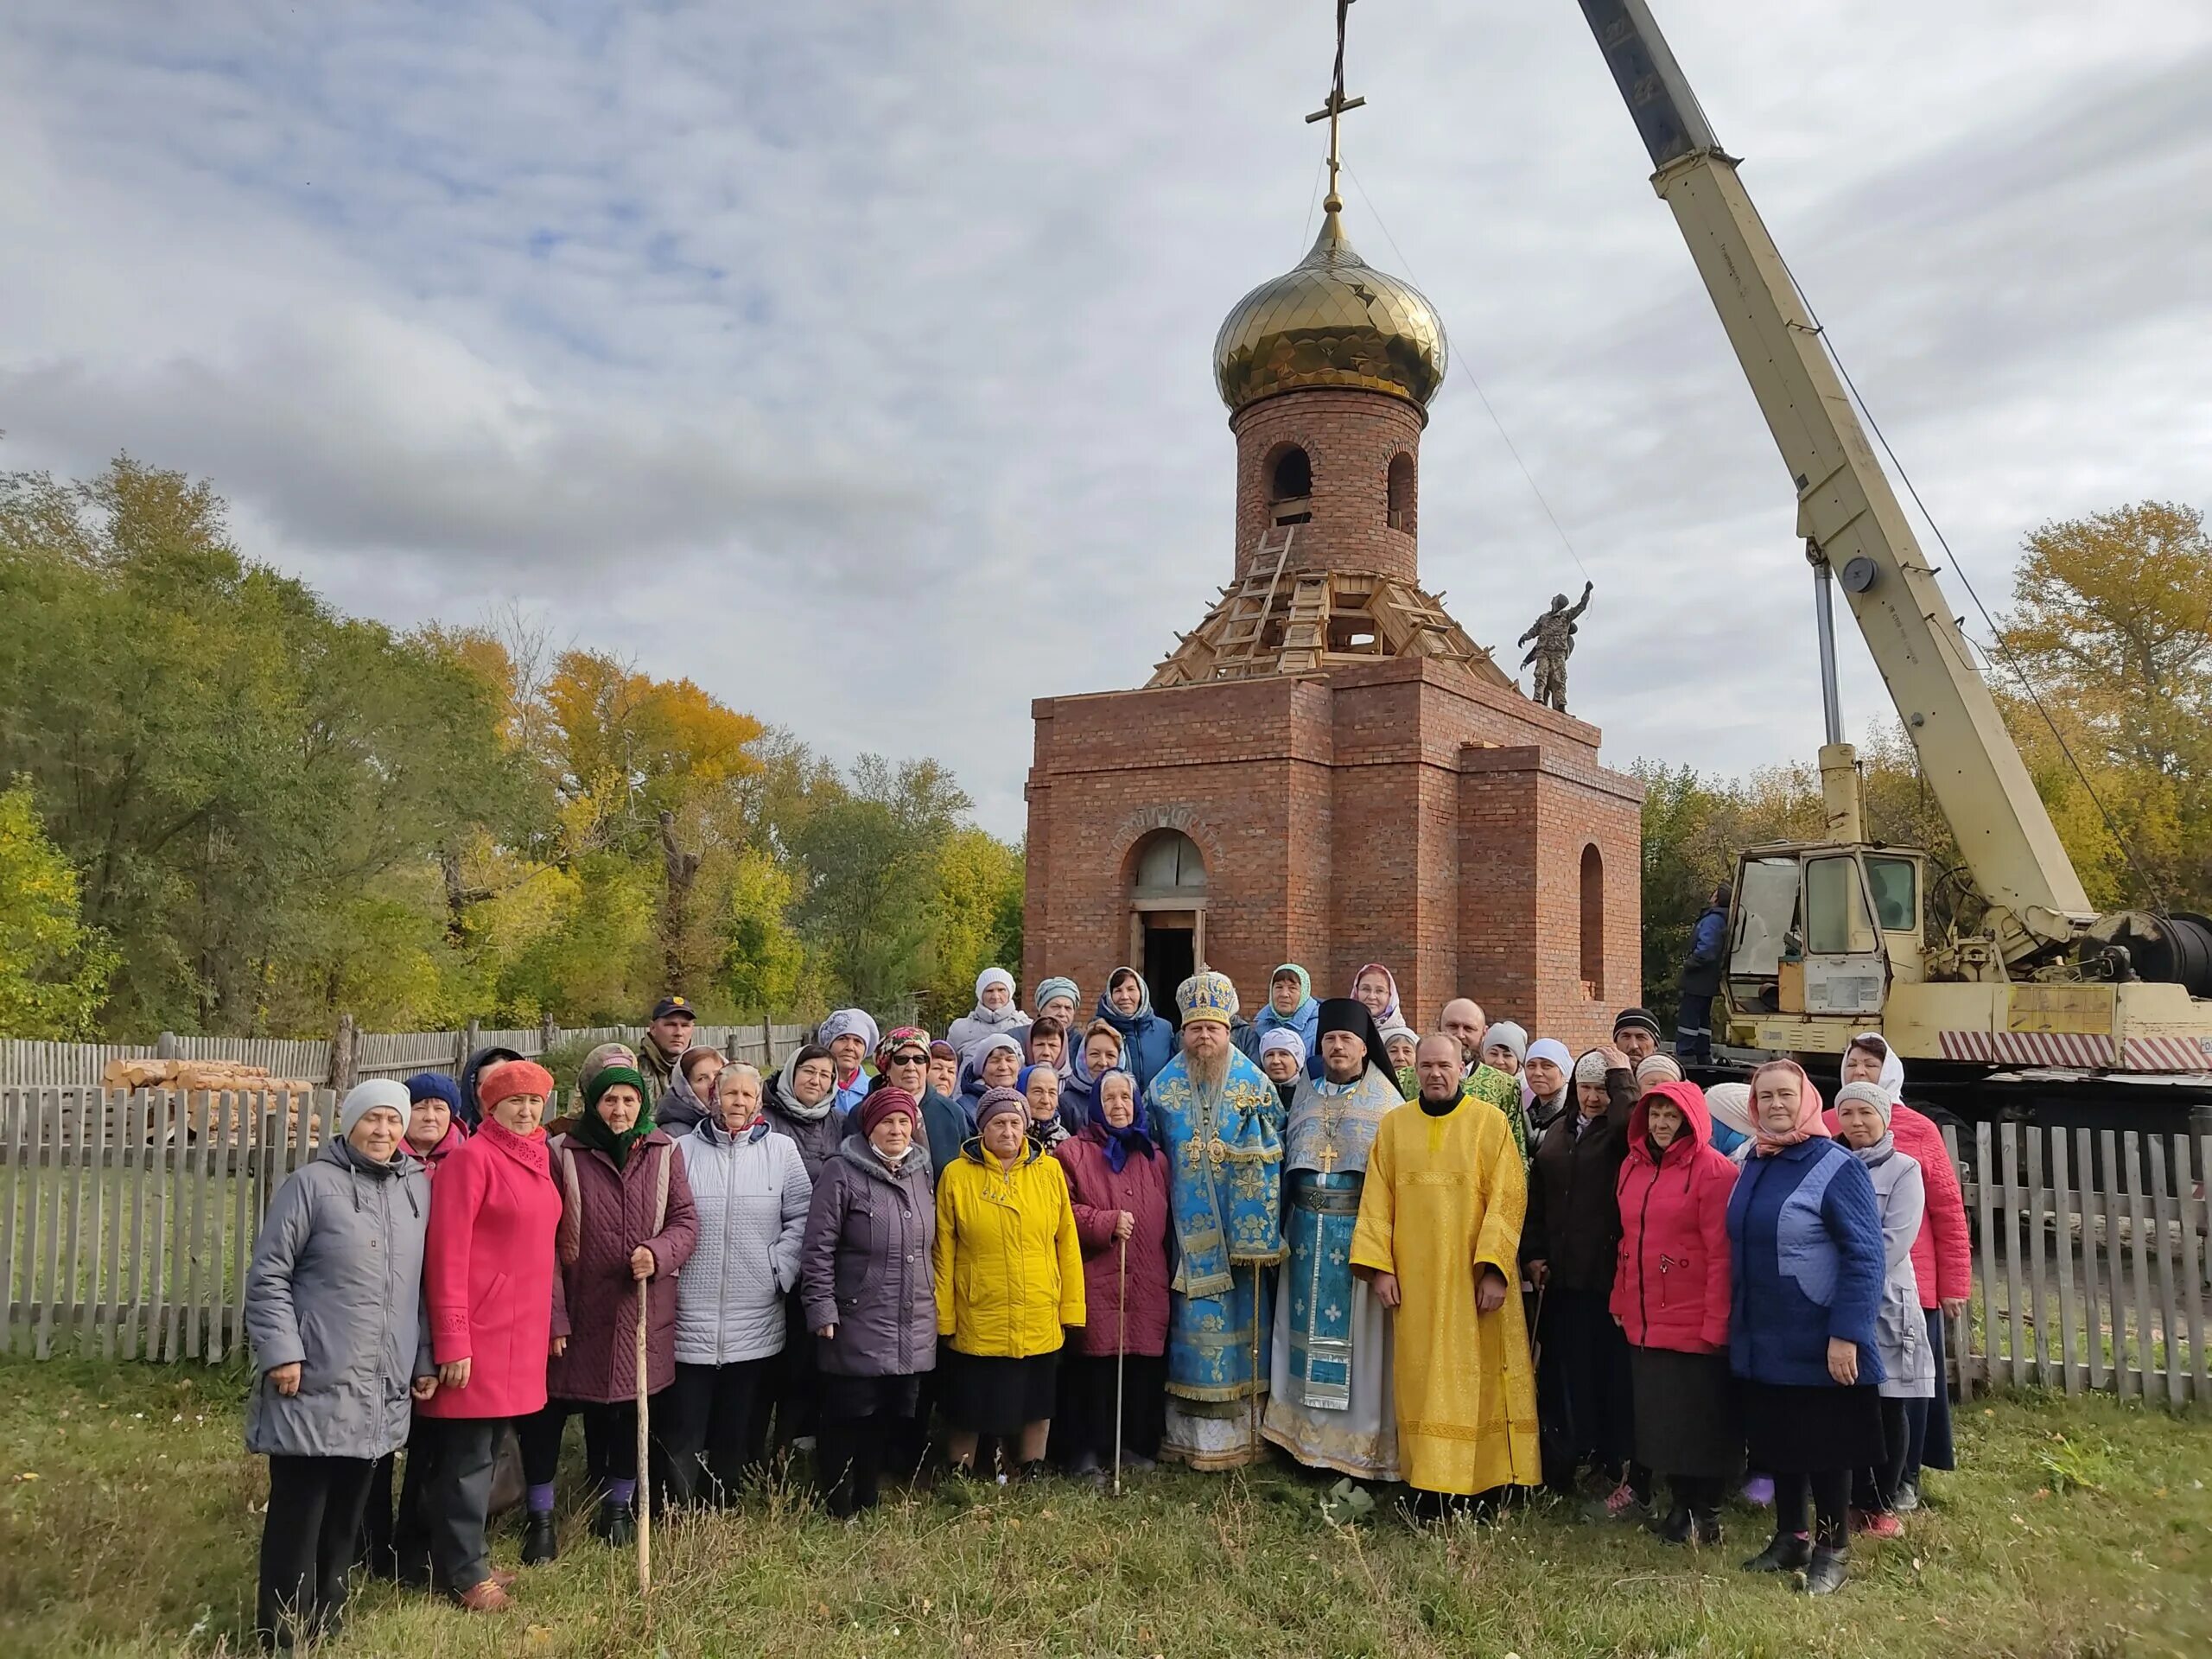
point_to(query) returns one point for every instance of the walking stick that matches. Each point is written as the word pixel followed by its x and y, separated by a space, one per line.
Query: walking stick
pixel 645 1479
pixel 1120 1358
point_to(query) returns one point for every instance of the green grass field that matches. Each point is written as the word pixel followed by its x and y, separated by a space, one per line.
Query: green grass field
pixel 129 1521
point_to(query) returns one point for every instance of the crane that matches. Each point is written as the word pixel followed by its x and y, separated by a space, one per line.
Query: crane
pixel 1828 938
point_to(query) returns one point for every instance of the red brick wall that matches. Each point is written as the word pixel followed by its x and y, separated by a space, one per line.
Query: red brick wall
pixel 1350 438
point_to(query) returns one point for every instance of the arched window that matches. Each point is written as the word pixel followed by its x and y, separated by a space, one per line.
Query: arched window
pixel 1402 492
pixel 1593 922
pixel 1290 487
pixel 1168 865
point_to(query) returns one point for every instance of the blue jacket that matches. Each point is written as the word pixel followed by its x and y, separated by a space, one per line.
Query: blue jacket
pixel 949 1123
pixel 1147 1040
pixel 1805 1245
pixel 1305 1021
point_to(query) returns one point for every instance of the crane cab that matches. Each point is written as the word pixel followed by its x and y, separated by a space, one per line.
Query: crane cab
pixel 1818 934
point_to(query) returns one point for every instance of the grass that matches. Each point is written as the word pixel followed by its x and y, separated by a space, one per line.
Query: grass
pixel 128 1526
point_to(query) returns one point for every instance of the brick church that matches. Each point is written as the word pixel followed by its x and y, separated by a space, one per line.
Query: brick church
pixel 1327 769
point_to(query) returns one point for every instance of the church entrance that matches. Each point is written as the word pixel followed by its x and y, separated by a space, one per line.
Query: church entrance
pixel 1170 957
pixel 1167 913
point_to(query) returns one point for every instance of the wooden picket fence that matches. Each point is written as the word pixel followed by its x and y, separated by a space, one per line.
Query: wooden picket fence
pixel 127 1221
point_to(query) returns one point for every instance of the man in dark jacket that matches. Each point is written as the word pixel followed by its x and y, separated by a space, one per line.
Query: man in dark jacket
pixel 1701 980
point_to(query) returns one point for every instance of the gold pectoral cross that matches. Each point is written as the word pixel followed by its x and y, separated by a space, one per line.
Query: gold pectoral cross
pixel 1327 1156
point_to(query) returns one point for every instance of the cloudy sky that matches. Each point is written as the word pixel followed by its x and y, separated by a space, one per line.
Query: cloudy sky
pixel 853 358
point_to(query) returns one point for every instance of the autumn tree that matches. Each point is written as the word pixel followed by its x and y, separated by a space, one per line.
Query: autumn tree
pixel 53 970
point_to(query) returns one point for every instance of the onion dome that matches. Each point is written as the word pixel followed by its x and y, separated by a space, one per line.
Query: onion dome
pixel 1333 320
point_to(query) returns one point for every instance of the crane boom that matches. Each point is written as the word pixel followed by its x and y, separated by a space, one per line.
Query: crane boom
pixel 1846 508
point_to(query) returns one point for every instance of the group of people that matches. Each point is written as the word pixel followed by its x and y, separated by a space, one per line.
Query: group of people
pixel 1457 1259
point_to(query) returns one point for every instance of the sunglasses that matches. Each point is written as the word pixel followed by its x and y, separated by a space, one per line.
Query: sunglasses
pixel 908 1056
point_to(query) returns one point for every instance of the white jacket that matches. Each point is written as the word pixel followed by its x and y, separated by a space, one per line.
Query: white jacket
pixel 751 1193
pixel 1900 1333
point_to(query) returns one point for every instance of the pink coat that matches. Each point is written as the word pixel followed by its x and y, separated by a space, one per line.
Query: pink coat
pixel 1943 1254
pixel 1097 1194
pixel 488 1274
pixel 1671 1288
pixel 601 1365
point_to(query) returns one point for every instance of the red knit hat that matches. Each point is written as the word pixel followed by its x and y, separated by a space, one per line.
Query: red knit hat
pixel 513 1077
pixel 881 1103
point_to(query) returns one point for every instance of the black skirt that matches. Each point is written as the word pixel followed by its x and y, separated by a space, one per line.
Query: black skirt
pixel 1796 1430
pixel 1687 1421
pixel 991 1395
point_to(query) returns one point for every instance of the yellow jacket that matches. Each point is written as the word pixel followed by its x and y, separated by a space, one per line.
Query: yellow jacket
pixel 1009 1267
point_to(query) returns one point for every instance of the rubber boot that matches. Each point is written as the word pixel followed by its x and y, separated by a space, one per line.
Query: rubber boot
pixel 540 1544
pixel 1790 1552
pixel 1826 1573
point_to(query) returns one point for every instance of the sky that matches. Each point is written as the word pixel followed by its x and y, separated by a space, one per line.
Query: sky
pixel 853 359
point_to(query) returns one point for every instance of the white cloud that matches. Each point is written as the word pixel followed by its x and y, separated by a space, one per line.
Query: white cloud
pixel 853 360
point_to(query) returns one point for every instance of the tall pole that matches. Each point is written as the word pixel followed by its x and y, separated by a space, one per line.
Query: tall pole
pixel 1824 627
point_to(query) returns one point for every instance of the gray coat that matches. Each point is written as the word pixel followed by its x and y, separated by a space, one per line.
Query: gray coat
pixel 1900 1331
pixel 336 1287
pixel 750 1193
pixel 866 1264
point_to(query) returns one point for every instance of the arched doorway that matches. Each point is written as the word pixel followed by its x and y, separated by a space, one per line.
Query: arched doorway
pixel 1167 913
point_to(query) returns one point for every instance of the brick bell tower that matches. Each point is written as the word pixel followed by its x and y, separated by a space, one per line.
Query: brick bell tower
pixel 1328 769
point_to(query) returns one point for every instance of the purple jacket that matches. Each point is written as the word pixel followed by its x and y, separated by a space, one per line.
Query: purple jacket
pixel 865 1266
pixel 615 1217
pixel 1097 1194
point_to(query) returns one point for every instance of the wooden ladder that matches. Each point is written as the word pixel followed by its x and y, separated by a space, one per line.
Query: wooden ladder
pixel 1248 611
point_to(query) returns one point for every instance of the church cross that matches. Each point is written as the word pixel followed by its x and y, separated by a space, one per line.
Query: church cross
pixel 1333 112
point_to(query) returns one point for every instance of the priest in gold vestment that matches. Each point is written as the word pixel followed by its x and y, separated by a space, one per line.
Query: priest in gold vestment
pixel 1438 1239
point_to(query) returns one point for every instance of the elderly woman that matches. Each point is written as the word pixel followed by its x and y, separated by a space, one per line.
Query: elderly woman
pixel 749 1191
pixel 687 1100
pixel 1398 1045
pixel 1942 1256
pixel 801 1105
pixel 497 1314
pixel 627 1225
pixel 1282 1058
pixel 944 1069
pixel 1041 1087
pixel 1009 1278
pixel 994 1014
pixel 902 1060
pixel 1290 1007
pixel 1147 1040
pixel 996 1062
pixel 1670 1299
pixel 1570 1246
pixel 870 1299
pixel 1058 999
pixel 1863 1123
pixel 1806 1265
pixel 1099 1053
pixel 1546 1076
pixel 1117 1183
pixel 332 1308
pixel 1045 1042
pixel 1377 987
pixel 850 1036
pixel 1505 1047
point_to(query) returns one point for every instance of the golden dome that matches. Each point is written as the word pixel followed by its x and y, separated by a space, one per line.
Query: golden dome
pixel 1331 320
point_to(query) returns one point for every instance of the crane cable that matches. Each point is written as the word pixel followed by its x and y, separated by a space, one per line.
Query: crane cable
pixel 1996 637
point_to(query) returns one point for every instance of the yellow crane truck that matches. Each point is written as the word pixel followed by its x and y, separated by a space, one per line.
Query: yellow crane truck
pixel 2033 1003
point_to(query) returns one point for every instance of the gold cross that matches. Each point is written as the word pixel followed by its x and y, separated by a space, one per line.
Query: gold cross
pixel 1333 111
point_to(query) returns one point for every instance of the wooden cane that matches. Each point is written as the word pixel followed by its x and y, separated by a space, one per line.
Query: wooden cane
pixel 645 1479
pixel 1121 1356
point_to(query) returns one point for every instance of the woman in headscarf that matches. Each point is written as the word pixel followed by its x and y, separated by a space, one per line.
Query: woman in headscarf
pixel 626 1220
pixel 870 1295
pixel 1655 1069
pixel 1045 1042
pixel 331 1306
pixel 1549 1074
pixel 1147 1040
pixel 1101 1052
pixel 496 1315
pixel 1282 1056
pixel 1117 1183
pixel 1734 1126
pixel 1057 999
pixel 1399 1044
pixel 996 1062
pixel 1041 1087
pixel 1376 985
pixel 850 1036
pixel 1290 1007
pixel 994 1012
pixel 802 1103
pixel 1863 1124
pixel 903 1059
pixel 687 1100
pixel 1570 1249
pixel 1942 1256
pixel 750 1191
pixel 1505 1047
pixel 1806 1264
pixel 1670 1298
pixel 470 1108
pixel 944 1069
pixel 1009 1281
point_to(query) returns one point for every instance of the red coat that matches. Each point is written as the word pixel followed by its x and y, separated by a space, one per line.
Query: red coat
pixel 601 1365
pixel 1097 1193
pixel 488 1274
pixel 1671 1289
pixel 455 1137
pixel 1943 1255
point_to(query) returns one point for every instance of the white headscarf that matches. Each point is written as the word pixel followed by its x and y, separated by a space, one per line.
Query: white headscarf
pixel 1892 1077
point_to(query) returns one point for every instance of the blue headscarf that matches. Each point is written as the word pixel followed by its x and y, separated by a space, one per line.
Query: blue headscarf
pixel 1120 1143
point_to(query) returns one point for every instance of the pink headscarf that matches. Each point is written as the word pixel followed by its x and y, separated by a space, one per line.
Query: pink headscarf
pixel 1764 1142
pixel 1386 1015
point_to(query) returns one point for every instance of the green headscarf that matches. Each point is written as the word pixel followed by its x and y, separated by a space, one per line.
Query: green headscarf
pixel 591 1129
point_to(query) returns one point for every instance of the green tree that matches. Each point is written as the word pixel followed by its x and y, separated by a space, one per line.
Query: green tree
pixel 53 970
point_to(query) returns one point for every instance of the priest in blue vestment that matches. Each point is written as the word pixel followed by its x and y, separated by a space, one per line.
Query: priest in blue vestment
pixel 1330 1403
pixel 1221 1122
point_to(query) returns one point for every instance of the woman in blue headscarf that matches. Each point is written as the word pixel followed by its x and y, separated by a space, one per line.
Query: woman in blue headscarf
pixel 1147 1040
pixel 1290 1007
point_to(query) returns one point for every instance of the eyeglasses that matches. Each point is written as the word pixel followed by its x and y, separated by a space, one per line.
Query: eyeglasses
pixel 908 1058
